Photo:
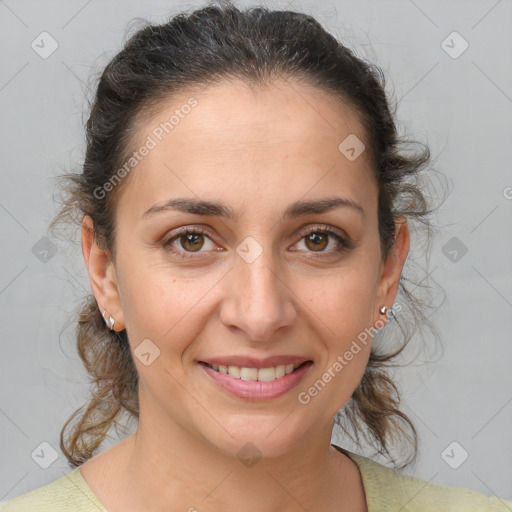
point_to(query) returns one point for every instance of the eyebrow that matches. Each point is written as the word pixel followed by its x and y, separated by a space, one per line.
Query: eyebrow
pixel 297 209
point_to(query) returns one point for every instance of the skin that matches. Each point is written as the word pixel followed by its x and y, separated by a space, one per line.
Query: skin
pixel 257 150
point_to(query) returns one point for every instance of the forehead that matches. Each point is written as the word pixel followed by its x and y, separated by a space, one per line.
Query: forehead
pixel 284 111
pixel 248 144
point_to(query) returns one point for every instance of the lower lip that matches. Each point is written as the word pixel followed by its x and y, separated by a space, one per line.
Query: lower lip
pixel 254 389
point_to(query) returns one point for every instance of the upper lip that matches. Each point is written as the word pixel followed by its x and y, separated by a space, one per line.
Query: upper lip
pixel 252 362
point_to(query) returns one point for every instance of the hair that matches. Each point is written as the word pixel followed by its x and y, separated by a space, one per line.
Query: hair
pixel 219 43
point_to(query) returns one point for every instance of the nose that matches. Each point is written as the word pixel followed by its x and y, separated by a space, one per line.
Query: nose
pixel 258 300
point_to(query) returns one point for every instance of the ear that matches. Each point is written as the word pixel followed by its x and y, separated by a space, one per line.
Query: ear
pixel 102 275
pixel 391 269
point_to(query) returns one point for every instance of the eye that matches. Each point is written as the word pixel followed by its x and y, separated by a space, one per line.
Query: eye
pixel 316 239
pixel 188 240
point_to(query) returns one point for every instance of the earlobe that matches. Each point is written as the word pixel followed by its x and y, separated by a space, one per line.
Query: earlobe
pixel 101 276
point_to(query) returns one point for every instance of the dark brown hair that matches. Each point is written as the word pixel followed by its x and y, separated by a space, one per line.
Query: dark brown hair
pixel 258 45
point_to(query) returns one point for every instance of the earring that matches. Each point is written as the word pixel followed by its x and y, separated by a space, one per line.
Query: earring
pixel 110 322
pixel 383 310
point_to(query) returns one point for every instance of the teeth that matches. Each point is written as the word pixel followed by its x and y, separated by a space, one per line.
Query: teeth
pixel 266 374
pixel 234 371
pixel 261 374
pixel 280 371
pixel 248 373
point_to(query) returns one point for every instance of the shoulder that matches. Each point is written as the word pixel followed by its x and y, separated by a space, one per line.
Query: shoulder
pixel 66 494
pixel 389 490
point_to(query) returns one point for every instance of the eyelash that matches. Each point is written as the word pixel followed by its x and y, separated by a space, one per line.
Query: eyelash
pixel 344 244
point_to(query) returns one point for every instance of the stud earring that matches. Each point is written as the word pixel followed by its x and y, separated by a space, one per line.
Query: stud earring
pixel 110 322
pixel 383 310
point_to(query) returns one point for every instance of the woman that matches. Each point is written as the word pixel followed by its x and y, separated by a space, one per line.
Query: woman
pixel 245 214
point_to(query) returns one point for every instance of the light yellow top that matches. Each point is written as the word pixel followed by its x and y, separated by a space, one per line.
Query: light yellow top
pixel 386 490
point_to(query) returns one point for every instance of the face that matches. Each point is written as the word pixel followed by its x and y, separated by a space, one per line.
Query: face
pixel 257 282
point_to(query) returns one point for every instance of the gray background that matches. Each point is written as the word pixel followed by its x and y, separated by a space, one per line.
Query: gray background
pixel 461 106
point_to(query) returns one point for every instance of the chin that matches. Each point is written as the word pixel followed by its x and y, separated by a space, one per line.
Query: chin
pixel 256 436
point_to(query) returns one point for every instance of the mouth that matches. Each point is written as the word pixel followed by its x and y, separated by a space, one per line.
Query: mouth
pixel 256 374
pixel 250 383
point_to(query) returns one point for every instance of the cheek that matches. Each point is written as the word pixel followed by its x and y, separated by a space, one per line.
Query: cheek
pixel 341 312
pixel 163 305
pixel 343 301
pixel 341 316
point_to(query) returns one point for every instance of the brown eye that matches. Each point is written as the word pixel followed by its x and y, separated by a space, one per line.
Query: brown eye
pixel 187 242
pixel 192 241
pixel 317 241
pixel 324 241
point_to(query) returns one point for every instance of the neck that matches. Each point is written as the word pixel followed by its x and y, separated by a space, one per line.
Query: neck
pixel 181 472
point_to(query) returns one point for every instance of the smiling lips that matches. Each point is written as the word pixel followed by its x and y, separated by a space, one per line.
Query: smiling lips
pixel 250 378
